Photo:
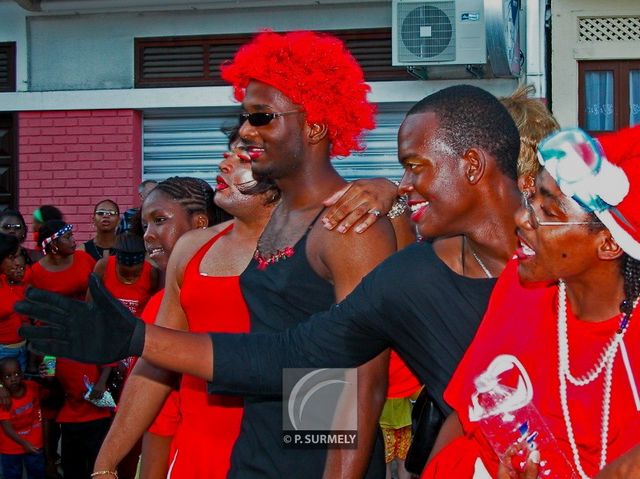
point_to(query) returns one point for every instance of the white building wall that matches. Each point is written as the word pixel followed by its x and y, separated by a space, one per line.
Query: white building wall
pixel 96 51
pixel 567 50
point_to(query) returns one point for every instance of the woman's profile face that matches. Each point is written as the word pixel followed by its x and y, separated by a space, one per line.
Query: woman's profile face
pixel 65 245
pixel 164 220
pixel 549 248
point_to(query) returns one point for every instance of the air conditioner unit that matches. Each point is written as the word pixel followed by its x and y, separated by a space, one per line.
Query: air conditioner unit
pixel 438 32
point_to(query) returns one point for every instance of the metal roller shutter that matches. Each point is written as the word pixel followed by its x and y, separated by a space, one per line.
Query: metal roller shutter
pixel 190 143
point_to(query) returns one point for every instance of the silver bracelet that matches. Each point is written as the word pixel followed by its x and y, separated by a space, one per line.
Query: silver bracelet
pixel 399 206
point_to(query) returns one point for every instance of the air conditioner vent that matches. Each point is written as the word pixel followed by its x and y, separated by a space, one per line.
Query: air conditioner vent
pixel 445 32
pixel 427 31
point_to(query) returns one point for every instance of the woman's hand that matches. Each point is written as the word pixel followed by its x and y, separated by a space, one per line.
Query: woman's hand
pixel 97 392
pixel 361 202
pixel 30 448
pixel 519 463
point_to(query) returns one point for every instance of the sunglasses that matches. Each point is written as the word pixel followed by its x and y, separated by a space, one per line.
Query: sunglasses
pixel 106 213
pixel 10 226
pixel 262 118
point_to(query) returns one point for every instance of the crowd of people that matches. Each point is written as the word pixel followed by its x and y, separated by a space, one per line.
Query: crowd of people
pixel 507 257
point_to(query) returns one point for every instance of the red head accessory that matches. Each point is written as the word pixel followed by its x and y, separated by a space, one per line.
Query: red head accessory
pixel 315 71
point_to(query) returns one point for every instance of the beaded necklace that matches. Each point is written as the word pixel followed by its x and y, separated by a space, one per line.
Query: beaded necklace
pixel 605 363
pixel 280 254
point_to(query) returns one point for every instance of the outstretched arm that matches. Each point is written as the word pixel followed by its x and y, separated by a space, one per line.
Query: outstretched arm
pixel 347 335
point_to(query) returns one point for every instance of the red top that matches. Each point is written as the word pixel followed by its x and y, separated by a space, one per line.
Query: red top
pixel 152 307
pixel 148 315
pixel 522 323
pixel 26 419
pixel 72 282
pixel 76 408
pixel 135 295
pixel 10 321
pixel 402 382
pixel 167 420
pixel 209 422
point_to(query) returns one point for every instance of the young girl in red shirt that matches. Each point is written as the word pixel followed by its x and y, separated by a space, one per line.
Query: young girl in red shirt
pixel 82 424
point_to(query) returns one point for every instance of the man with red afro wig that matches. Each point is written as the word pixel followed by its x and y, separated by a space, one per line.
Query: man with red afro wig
pixel 305 101
pixel 317 73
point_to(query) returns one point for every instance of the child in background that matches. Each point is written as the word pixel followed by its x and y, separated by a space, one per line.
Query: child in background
pixel 395 419
pixel 21 435
pixel 11 344
pixel 16 275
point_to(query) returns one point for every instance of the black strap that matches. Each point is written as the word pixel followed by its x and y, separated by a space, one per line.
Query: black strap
pixel 426 420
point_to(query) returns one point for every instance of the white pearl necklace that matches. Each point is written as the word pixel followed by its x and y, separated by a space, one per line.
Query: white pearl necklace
pixel 605 363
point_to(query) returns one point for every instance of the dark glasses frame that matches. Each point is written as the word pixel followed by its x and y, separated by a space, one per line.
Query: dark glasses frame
pixel 106 213
pixel 263 118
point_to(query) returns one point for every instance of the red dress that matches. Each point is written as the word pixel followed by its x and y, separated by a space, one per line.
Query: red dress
pixel 134 296
pixel 167 420
pixel 522 323
pixel 210 423
pixel 10 321
pixel 72 282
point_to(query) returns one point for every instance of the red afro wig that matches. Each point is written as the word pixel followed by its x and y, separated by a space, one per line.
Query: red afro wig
pixel 315 71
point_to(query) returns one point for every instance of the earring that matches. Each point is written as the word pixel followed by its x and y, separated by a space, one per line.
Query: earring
pixel 472 178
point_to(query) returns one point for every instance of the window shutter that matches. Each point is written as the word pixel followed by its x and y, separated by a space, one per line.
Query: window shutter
pixel 193 61
pixel 7 66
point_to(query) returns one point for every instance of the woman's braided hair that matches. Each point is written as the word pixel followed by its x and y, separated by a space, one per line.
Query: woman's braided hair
pixel 194 195
pixel 630 269
pixel 631 274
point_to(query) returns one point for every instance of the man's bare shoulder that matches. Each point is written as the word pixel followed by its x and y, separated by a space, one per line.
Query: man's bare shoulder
pixel 334 254
pixel 380 233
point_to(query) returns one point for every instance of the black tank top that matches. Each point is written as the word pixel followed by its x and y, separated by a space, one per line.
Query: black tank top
pixel 279 297
pixel 95 251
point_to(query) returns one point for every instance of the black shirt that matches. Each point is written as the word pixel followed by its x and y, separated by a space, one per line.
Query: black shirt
pixel 412 302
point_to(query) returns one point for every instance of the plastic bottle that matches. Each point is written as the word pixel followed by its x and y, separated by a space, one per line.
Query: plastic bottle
pixel 507 416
